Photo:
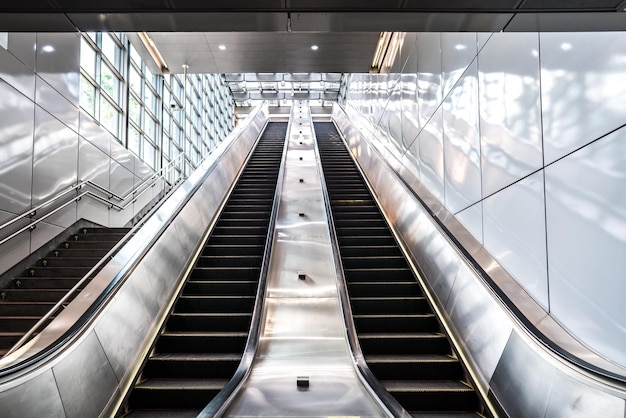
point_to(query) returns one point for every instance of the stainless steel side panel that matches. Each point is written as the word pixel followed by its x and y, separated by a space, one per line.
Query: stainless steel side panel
pixel 506 361
pixel 88 376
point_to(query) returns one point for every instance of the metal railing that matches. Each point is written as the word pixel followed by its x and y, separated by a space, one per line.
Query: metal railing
pixel 112 200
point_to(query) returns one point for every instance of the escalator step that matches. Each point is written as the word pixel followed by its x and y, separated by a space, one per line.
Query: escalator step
pixel 175 393
pixel 404 343
pixel 233 322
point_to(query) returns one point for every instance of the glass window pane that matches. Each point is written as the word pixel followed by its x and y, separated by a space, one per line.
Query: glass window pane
pixel 134 140
pixel 150 127
pixel 88 58
pixel 109 82
pixel 149 99
pixel 134 55
pixel 149 154
pixel 135 80
pixel 109 116
pixel 87 96
pixel 134 110
pixel 111 50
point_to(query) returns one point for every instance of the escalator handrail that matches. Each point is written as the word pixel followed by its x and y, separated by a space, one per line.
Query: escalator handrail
pixel 222 400
pixel 389 403
pixel 21 364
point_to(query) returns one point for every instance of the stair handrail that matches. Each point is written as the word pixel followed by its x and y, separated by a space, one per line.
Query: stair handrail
pixel 107 201
pixel 32 212
pixel 35 328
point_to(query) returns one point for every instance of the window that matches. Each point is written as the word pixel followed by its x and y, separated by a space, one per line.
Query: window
pixel 171 120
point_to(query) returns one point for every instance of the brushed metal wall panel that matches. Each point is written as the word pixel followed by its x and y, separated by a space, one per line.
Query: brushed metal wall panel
pixel 582 88
pixel 55 160
pixel 410 110
pixel 23 45
pixel 82 369
pixel 142 170
pixel 121 180
pixel 120 154
pixel 586 220
pixel 429 88
pixel 94 211
pixel 17 402
pixel 458 50
pixel 472 219
pixel 93 164
pixel 45 231
pixel 431 155
pixel 17 74
pixel 510 114
pixel 58 62
pixel 515 234
pixel 16 146
pixel 15 249
pixel 461 143
pixel 57 105
pixel 94 133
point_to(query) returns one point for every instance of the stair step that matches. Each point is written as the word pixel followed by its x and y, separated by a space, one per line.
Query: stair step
pixel 25 308
pixel 34 295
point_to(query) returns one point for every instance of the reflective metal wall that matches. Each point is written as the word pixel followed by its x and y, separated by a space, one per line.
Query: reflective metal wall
pixel 521 137
pixel 47 144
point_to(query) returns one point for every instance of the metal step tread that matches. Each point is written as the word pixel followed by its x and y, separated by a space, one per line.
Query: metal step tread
pixel 219 334
pixel 196 357
pixel 450 386
pixel 182 384
pixel 162 413
pixel 409 358
pixel 394 316
pixel 210 314
pixel 401 335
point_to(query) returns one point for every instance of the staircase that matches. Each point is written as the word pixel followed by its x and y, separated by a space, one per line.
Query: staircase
pixel 32 294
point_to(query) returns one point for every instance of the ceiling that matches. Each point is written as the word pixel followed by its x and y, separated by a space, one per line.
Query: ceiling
pixel 276 35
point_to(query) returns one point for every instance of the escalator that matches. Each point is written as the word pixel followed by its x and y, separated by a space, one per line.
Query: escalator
pixel 30 295
pixel 203 339
pixel 402 341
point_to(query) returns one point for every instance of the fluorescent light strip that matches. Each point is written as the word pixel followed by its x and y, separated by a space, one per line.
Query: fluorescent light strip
pixel 154 52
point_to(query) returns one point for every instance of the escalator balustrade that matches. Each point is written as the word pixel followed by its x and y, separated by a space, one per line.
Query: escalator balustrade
pixel 203 339
pixel 402 341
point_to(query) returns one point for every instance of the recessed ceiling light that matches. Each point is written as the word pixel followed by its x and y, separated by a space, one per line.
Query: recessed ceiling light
pixel 315 47
pixel 222 47
pixel 47 48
